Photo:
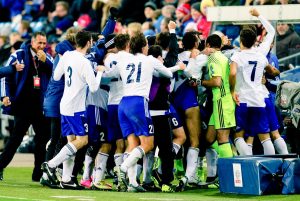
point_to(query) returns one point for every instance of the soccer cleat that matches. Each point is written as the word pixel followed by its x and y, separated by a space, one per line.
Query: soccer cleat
pixel 150 187
pixel 156 177
pixel 182 184
pixel 167 188
pixel 122 182
pixel 49 171
pixel 179 169
pixel 48 182
pixel 1 174
pixel 70 185
pixel 86 183
pixel 135 189
pixel 102 185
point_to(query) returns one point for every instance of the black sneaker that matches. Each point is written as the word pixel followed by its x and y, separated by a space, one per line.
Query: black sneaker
pixel 70 185
pixel 1 174
pixel 48 182
pixel 49 171
pixel 150 187
pixel 157 177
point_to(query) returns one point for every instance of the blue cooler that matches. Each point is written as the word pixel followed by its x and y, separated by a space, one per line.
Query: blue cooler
pixel 250 175
pixel 291 176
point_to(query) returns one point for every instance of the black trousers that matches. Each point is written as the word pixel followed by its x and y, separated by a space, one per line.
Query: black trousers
pixel 163 139
pixel 41 127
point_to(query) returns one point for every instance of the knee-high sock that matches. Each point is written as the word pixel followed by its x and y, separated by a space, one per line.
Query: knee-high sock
pixel 192 162
pixel 136 154
pixel 101 161
pixel 148 161
pixel 268 147
pixel 68 169
pixel 225 150
pixel 65 153
pixel 132 172
pixel 87 173
pixel 280 146
pixel 118 158
pixel 241 146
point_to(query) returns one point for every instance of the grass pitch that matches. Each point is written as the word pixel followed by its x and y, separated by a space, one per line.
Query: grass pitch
pixel 17 185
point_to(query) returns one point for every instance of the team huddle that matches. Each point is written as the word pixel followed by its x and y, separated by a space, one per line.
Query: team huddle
pixel 142 97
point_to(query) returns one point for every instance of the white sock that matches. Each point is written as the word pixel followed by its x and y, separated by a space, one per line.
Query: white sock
pixel 68 166
pixel 65 153
pixel 118 159
pixel 45 176
pixel 268 147
pixel 125 156
pixel 192 162
pixel 176 147
pixel 100 167
pixel 241 146
pixel 211 160
pixel 280 146
pixel 132 172
pixel 250 149
pixel 88 161
pixel 136 154
pixel 148 161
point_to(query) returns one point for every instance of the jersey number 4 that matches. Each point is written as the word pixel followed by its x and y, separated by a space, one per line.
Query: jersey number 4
pixel 254 63
pixel 132 69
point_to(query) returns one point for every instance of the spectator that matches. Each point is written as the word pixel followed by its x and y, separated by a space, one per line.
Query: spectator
pixel 168 11
pixel 24 29
pixel 60 20
pixel 149 11
pixel 183 15
pixel 134 28
pixel 287 41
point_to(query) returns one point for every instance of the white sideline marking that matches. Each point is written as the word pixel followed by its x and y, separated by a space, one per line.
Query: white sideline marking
pixel 20 198
pixel 83 198
pixel 163 199
pixel 13 185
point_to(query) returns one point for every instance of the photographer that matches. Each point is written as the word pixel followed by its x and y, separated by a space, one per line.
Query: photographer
pixel 22 95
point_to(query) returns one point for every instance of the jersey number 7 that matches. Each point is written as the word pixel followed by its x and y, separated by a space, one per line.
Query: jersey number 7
pixel 254 63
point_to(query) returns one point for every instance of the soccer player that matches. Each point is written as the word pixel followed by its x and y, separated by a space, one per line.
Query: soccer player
pixel 136 72
pixel 246 71
pixel 78 74
pixel 185 101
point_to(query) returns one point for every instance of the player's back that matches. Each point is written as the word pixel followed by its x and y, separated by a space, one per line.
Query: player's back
pixel 74 96
pixel 136 72
pixel 251 65
pixel 116 86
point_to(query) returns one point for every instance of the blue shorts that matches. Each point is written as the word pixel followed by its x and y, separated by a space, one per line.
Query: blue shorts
pixel 113 130
pixel 134 116
pixel 174 117
pixel 97 121
pixel 253 120
pixel 272 117
pixel 74 125
pixel 185 97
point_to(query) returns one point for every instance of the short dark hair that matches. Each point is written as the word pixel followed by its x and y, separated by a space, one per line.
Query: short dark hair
pixel 214 41
pixel 137 42
pixel 189 39
pixel 163 40
pixel 82 37
pixel 247 37
pixel 121 41
pixel 155 51
pixel 38 33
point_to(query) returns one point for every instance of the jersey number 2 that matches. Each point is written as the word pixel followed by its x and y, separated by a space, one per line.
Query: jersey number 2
pixel 254 63
pixel 131 67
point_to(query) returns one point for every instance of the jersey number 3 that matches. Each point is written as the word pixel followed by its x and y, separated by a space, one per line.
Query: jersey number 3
pixel 132 69
pixel 69 81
